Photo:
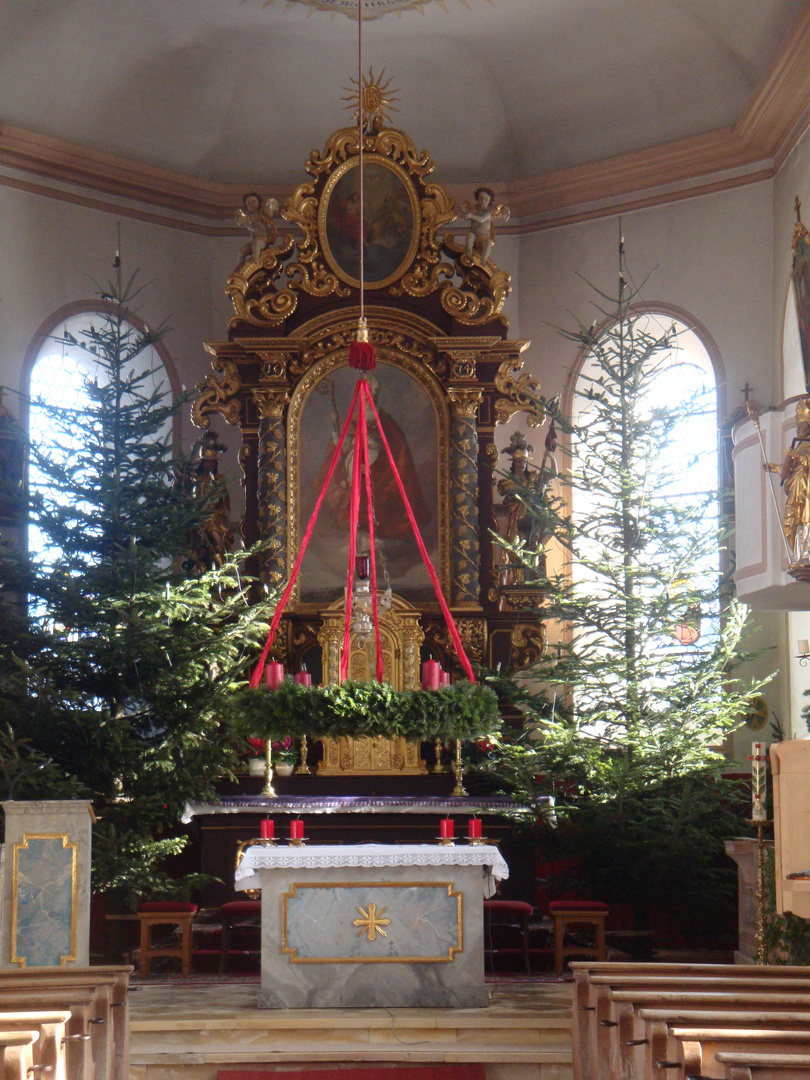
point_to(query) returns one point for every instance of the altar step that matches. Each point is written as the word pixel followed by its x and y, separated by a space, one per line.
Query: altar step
pixel 512 1044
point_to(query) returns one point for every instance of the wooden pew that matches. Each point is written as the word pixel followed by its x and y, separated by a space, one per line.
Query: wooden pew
pixel 628 1004
pixel 660 1044
pixel 612 1011
pixel 16 1051
pixel 106 1055
pixel 49 1050
pixel 81 1005
pixel 764 1066
pixel 587 991
pixel 695 1048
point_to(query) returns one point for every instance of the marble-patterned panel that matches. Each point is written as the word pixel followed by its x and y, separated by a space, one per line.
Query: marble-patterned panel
pixel 375 922
pixel 44 901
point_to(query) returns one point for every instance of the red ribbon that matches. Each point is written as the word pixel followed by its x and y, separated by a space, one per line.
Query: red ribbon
pixel 373 582
pixel 448 618
pixel 256 677
pixel 354 514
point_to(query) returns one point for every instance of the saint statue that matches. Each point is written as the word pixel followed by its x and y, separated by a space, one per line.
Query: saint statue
pixel 795 477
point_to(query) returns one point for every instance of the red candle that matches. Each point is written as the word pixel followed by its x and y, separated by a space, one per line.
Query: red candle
pixel 296 829
pixel 431 671
pixel 303 678
pixel 274 675
pixel 446 828
pixel 268 828
pixel 444 678
pixel 474 828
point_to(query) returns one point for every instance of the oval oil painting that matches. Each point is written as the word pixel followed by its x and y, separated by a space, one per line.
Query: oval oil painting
pixel 388 227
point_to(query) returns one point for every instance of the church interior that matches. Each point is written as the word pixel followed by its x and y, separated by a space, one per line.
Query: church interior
pixel 394 259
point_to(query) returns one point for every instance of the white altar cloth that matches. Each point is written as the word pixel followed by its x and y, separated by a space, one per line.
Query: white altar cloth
pixel 329 856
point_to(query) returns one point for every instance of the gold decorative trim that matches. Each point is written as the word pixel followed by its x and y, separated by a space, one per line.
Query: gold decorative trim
pixel 520 394
pixel 451 949
pixel 67 845
pixel 218 395
pixel 323 208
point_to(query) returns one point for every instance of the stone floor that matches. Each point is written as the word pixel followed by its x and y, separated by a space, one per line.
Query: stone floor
pixel 188 1031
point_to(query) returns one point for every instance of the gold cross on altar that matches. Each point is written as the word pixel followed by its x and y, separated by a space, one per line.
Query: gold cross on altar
pixel 371 922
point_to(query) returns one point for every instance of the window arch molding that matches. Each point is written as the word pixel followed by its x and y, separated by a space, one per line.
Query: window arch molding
pixel 666 310
pixel 50 326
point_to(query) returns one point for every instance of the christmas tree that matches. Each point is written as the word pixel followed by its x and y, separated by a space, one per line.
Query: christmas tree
pixel 639 694
pixel 126 628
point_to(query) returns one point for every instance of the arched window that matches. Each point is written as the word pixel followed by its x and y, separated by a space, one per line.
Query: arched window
pixel 685 384
pixel 59 367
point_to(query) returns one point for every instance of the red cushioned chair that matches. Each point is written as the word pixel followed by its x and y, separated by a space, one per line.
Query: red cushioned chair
pixel 567 913
pixel 236 914
pixel 507 918
pixel 170 912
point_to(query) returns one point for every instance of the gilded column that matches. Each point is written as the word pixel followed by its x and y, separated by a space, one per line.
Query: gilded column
pixel 464 552
pixel 272 483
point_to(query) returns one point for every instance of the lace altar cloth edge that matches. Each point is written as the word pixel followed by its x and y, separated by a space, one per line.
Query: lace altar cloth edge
pixel 334 856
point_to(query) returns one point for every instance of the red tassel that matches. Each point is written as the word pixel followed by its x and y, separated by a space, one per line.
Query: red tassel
pixel 362 356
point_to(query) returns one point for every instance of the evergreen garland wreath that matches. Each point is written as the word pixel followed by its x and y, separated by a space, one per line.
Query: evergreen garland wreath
pixel 367 710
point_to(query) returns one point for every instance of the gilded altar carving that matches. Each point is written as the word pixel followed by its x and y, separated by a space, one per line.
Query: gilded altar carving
pixel 473 633
pixel 272 483
pixel 218 395
pixel 521 393
pixel 401 636
pixel 528 642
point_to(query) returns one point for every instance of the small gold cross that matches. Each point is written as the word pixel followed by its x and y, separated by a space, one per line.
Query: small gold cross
pixel 371 922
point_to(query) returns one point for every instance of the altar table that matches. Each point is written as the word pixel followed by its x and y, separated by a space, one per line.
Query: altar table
pixel 374 925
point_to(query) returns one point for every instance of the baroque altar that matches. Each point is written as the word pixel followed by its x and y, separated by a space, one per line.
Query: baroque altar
pixel 447 375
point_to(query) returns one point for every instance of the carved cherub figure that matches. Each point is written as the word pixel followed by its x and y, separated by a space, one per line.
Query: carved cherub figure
pixel 482 216
pixel 257 217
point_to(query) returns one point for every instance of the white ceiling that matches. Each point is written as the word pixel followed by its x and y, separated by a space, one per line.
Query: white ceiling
pixel 236 92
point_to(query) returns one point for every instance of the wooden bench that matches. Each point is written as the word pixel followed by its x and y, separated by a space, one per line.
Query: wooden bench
pixel 16 1053
pixel 594 980
pixel 660 1039
pixel 764 1066
pixel 628 1005
pixel 49 1050
pixel 105 1016
pixel 695 1048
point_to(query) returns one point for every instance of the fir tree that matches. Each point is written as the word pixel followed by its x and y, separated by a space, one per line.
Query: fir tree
pixel 632 721
pixel 120 665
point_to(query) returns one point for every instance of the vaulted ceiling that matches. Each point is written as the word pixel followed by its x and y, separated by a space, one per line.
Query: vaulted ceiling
pixel 231 92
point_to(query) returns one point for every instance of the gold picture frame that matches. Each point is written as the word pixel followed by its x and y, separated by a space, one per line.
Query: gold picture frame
pixel 392 222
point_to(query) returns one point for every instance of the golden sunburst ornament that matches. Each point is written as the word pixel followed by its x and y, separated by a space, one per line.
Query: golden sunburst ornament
pixel 375 97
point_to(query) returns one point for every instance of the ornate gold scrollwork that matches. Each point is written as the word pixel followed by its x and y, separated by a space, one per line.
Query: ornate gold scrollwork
pixel 253 292
pixel 520 394
pixel 528 641
pixel 491 454
pixel 270 403
pixel 218 395
pixel 465 402
pixel 483 290
pixel 473 633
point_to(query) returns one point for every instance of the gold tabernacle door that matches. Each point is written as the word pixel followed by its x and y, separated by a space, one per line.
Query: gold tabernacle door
pixel 401 635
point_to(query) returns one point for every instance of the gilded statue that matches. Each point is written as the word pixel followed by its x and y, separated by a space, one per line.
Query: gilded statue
pixel 257 217
pixel 482 216
pixel 795 477
pixel 525 498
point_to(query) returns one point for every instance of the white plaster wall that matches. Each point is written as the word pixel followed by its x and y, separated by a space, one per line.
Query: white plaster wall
pixel 53 252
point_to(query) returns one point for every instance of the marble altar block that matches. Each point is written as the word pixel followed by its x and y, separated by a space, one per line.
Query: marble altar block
pixel 46 884
pixel 373 925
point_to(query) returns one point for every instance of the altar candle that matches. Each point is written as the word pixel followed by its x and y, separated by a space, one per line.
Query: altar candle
pixel 296 829
pixel 474 828
pixel 804 647
pixel 444 678
pixel 303 678
pixel 274 675
pixel 267 828
pixel 446 828
pixel 431 672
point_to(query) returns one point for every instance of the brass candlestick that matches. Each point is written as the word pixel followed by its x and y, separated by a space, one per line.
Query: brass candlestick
pixel 458 770
pixel 268 788
pixel 302 766
pixel 760 894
